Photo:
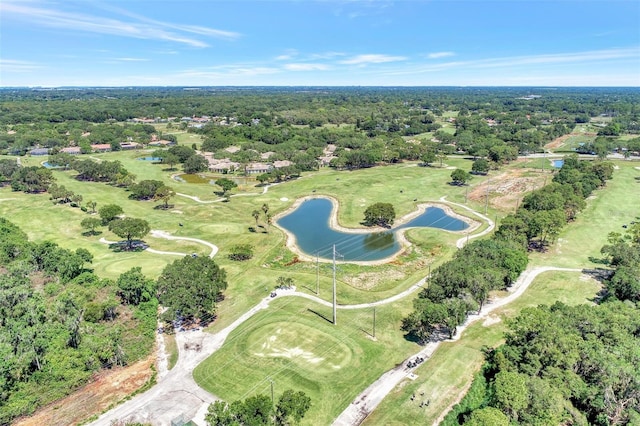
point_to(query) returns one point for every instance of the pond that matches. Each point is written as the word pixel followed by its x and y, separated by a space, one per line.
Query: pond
pixel 157 159
pixel 50 166
pixel 309 223
pixel 558 164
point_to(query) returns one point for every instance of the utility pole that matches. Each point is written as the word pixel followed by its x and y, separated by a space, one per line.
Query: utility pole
pixel 335 322
pixel 486 203
pixel 317 275
pixel 272 400
pixel 374 322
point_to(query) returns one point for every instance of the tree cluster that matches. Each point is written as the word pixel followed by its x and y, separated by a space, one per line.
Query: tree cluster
pixel 259 411
pixel 60 323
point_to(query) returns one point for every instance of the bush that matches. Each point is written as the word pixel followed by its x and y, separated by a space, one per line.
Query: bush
pixel 241 252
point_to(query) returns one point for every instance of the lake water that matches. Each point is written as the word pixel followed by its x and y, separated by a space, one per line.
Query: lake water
pixel 310 225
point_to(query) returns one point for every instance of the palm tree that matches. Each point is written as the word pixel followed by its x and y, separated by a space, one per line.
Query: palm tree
pixel 256 215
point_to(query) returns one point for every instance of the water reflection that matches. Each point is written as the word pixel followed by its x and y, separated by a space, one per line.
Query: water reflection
pixel 309 223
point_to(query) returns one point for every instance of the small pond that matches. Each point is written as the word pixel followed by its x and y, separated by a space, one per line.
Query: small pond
pixel 558 164
pixel 50 166
pixel 157 159
pixel 310 225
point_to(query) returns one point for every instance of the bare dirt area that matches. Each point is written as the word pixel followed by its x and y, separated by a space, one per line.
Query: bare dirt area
pixel 507 189
pixel 107 388
pixel 559 141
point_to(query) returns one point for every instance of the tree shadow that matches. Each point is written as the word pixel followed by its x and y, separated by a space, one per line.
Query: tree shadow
pixel 91 233
pixel 320 315
pixel 124 246
pixel 163 207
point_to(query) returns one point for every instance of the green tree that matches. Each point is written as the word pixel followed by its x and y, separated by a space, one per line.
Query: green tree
pixel 480 166
pixel 428 158
pixel 134 288
pixel 164 194
pixel 171 160
pixel 256 215
pixel 291 407
pixel 380 214
pixel 109 212
pixel 91 223
pixel 195 164
pixel 145 189
pixel 129 228
pixel 190 287
pixel 460 177
pixel 226 185
pixel 487 416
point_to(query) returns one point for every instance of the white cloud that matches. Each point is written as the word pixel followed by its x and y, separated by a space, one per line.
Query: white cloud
pixel 131 59
pixel 288 55
pixel 438 55
pixel 139 27
pixel 306 67
pixel 516 61
pixel 372 59
pixel 13 65
pixel 326 55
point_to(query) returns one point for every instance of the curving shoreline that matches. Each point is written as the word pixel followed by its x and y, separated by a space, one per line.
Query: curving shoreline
pixel 291 241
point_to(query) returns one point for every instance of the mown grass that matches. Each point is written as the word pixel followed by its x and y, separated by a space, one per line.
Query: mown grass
pixel 294 344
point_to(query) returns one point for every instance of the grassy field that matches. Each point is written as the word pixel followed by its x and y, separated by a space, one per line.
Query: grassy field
pixel 330 363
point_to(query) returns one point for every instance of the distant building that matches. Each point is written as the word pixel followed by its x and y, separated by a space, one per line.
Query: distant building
pixel 129 145
pixel 101 147
pixel 39 151
pixel 73 150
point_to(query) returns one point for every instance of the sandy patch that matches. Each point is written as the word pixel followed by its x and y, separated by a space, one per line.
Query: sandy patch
pixel 490 320
pixel 284 199
pixel 177 211
pixel 507 189
pixel 369 280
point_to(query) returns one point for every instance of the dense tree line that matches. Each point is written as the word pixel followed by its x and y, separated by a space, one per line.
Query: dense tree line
pixel 60 323
pixel 367 124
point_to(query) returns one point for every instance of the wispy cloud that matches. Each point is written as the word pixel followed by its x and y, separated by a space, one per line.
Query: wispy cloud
pixel 288 55
pixel 326 55
pixel 438 55
pixel 13 65
pixel 306 67
pixel 228 71
pixel 544 59
pixel 131 59
pixel 137 27
pixel 372 59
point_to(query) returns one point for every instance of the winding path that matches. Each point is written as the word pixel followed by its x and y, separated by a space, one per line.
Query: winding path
pixel 177 394
pixel 218 200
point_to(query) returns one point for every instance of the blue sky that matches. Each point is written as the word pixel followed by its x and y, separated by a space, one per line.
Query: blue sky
pixel 320 42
